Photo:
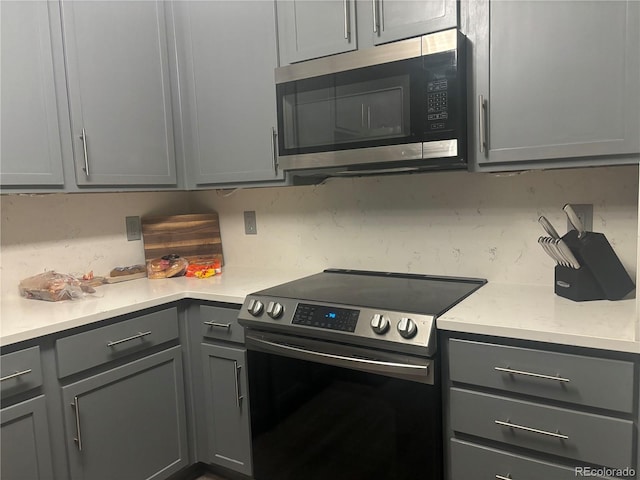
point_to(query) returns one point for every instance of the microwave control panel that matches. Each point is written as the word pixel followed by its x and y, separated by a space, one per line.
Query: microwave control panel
pixel 437 104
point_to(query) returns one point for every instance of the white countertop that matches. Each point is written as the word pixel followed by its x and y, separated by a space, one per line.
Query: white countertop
pixel 23 319
pixel 526 312
pixel 532 312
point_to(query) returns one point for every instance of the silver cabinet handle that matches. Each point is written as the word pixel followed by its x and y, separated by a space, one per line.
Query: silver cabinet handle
pixel 219 325
pixel 237 377
pixel 76 407
pixel 502 477
pixel 374 5
pixel 533 430
pixel 15 375
pixel 482 131
pixel 274 150
pixel 345 6
pixel 83 137
pixel 128 339
pixel 531 374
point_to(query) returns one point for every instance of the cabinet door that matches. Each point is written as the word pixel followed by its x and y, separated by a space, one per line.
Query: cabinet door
pixel 227 407
pixel 128 422
pixel 32 147
pixel 26 449
pixel 398 19
pixel 547 87
pixel 228 52
pixel 118 76
pixel 310 29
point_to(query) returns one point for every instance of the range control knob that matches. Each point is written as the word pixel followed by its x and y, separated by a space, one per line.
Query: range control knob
pixel 255 307
pixel 275 310
pixel 379 323
pixel 407 328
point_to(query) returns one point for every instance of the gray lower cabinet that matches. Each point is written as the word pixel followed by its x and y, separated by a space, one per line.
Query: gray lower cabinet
pixel 227 408
pixel 128 422
pixel 545 90
pixel 220 387
pixel 118 77
pixel 26 448
pixel 226 56
pixel 531 412
pixel 34 137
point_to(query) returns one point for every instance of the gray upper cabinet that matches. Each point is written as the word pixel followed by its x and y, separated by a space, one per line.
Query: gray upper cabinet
pixel 119 92
pixel 546 87
pixel 227 53
pixel 398 19
pixel 33 142
pixel 311 29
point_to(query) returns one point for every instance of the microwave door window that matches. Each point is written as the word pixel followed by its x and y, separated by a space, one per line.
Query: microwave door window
pixel 309 118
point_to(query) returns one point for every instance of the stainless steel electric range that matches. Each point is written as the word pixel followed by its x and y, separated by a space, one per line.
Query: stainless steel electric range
pixel 343 375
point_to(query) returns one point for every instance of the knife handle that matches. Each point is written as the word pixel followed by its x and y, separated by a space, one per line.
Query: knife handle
pixel 568 254
pixel 546 224
pixel 574 220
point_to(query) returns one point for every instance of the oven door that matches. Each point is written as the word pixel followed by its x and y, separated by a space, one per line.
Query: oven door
pixel 326 411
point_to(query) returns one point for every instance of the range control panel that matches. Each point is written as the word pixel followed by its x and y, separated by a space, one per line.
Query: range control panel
pixel 407 332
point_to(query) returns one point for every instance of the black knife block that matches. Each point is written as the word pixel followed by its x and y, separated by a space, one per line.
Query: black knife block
pixel 578 285
pixel 601 274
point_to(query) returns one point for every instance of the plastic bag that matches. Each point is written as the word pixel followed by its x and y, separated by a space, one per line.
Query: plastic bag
pixel 53 287
pixel 168 266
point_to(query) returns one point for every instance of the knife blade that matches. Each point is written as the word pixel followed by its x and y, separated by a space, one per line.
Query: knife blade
pixel 546 224
pixel 574 220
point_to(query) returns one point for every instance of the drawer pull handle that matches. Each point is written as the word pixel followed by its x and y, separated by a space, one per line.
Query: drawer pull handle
pixel 219 325
pixel 15 375
pixel 76 407
pixel 533 430
pixel 531 374
pixel 128 339
pixel 502 477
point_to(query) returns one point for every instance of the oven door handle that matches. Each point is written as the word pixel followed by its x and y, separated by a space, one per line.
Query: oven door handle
pixel 416 373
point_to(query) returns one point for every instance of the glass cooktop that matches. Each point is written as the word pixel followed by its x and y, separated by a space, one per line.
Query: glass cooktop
pixel 415 293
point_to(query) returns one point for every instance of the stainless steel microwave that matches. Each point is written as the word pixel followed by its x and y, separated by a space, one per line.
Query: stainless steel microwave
pixel 399 107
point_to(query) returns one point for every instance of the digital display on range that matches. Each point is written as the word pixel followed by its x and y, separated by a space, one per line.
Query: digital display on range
pixel 321 316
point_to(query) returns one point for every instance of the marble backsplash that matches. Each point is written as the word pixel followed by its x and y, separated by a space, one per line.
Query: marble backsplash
pixel 450 223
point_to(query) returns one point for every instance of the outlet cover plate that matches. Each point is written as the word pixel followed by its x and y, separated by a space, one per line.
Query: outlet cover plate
pixel 134 228
pixel 250 225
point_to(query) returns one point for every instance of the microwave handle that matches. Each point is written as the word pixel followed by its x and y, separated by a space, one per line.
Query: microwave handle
pixel 274 153
pixel 482 131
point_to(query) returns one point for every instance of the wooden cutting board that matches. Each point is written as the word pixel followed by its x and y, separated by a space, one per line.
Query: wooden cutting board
pixel 194 236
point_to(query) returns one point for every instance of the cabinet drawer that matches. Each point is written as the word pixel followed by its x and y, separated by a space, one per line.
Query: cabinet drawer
pixel 20 371
pixel 582 380
pixel 471 461
pixel 221 324
pixel 558 431
pixel 95 347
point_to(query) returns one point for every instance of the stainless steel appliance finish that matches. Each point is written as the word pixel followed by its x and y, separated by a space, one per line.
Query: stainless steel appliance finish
pixel 394 108
pixel 343 375
pixel 387 311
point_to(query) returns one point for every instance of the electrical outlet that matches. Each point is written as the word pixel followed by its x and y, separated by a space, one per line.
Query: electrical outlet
pixel 584 211
pixel 134 228
pixel 250 226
